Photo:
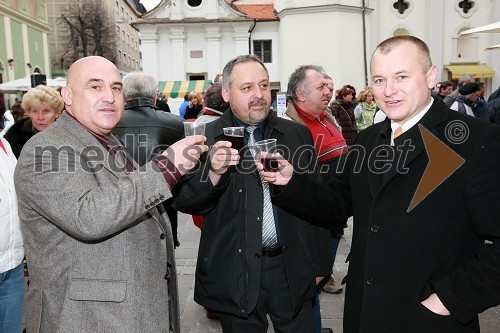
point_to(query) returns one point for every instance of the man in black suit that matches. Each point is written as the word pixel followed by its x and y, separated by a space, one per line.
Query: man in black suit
pixel 145 130
pixel 255 258
pixel 424 190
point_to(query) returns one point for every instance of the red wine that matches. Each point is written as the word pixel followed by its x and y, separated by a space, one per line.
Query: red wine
pixel 237 142
pixel 271 164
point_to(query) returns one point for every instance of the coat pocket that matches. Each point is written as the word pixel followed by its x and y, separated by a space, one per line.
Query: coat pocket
pixel 98 290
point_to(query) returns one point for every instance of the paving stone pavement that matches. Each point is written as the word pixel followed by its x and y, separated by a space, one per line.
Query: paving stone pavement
pixel 194 320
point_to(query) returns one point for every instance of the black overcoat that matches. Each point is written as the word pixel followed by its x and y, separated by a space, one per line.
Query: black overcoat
pixel 448 243
pixel 229 266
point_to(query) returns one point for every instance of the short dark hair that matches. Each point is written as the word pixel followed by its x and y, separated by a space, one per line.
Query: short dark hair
pixel 228 69
pixel 213 98
pixel 390 44
pixel 444 85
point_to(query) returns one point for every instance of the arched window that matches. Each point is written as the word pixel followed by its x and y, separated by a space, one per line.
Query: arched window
pixel 400 32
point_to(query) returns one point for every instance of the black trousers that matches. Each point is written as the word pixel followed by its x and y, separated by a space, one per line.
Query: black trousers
pixel 273 300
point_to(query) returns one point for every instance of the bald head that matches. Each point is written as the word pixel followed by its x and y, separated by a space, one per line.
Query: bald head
pixel 93 94
pixel 78 68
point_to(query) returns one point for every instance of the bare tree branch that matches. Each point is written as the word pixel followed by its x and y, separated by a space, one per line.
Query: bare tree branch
pixel 91 30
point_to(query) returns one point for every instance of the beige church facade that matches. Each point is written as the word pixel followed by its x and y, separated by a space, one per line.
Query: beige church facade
pixel 183 40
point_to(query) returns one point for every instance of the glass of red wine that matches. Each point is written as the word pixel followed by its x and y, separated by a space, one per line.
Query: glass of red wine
pixel 235 135
pixel 268 147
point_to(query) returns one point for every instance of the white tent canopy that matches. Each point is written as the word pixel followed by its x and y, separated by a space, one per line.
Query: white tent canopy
pixel 24 84
pixel 490 28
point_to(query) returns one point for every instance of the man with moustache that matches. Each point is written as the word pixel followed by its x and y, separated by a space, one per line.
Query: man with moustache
pixel 98 243
pixel 240 273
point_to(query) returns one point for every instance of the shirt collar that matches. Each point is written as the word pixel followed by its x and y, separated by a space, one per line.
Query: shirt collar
pixel 262 125
pixel 412 121
pixel 307 115
pixel 103 139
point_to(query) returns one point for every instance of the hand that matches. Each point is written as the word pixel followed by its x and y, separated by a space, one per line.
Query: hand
pixel 280 177
pixel 319 279
pixel 185 153
pixel 434 304
pixel 221 157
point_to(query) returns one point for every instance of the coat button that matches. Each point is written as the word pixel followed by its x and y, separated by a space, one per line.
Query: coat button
pixel 147 207
pixel 259 218
pixel 257 255
pixel 375 228
pixel 162 197
pixel 370 280
pixel 162 236
pixel 285 247
pixel 240 190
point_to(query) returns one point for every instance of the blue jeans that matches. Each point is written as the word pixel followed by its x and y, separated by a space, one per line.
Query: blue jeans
pixel 334 245
pixel 11 300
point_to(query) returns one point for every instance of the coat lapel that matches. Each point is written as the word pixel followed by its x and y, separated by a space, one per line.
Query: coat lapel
pixel 377 139
pixel 410 144
pixel 88 140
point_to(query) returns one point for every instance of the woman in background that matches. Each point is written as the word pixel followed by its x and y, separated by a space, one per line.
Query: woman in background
pixel 11 245
pixel 195 106
pixel 365 111
pixel 43 105
pixel 343 110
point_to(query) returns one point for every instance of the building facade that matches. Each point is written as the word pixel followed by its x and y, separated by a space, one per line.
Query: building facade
pixel 182 39
pixel 121 13
pixel 24 31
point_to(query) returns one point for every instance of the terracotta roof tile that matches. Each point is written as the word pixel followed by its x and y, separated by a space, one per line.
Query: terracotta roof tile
pixel 259 12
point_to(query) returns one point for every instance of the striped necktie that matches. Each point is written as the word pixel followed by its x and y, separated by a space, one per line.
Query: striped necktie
pixel 269 237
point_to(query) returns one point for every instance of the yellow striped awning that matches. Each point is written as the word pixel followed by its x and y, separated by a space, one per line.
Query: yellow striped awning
pixel 177 89
pixel 478 71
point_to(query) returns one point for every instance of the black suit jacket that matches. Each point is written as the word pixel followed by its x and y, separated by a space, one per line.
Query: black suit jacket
pixel 229 266
pixel 449 243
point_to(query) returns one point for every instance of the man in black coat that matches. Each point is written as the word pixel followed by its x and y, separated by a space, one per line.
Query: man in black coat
pixel 237 273
pixel 145 130
pixel 426 240
pixel 492 112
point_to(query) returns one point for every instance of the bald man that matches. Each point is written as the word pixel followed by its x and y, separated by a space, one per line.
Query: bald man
pixel 98 244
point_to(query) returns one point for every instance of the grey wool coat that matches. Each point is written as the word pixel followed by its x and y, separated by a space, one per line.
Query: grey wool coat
pixel 98 246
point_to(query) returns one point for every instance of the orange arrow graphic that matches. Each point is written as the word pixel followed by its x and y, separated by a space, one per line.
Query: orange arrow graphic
pixel 443 162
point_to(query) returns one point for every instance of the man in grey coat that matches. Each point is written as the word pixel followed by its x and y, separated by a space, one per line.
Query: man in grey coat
pixel 98 244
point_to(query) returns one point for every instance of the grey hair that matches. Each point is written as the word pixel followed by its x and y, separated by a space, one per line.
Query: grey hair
pixel 464 80
pixel 297 80
pixel 139 85
pixel 228 69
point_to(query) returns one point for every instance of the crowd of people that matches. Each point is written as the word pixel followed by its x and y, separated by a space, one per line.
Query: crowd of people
pixel 92 178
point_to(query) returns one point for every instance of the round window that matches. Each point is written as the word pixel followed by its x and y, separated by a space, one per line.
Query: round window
pixel 194 3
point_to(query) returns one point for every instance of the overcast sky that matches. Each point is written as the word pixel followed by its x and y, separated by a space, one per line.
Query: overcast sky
pixel 150 4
